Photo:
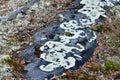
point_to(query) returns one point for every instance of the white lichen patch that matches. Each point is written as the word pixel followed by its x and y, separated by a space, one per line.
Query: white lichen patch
pixel 94 9
pixel 93 12
pixel 71 27
pixel 58 47
pixel 5 69
pixel 85 22
pixel 94 37
pixel 56 53
pixel 61 17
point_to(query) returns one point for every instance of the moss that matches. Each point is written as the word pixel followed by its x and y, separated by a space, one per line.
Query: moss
pixel 101 28
pixel 110 65
pixel 5 70
pixel 68 34
pixel 8 60
pixel 16 66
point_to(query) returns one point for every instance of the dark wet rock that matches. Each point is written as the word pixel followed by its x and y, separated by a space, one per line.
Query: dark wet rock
pixel 28 53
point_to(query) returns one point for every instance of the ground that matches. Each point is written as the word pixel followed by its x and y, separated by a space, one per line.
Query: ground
pixel 16 33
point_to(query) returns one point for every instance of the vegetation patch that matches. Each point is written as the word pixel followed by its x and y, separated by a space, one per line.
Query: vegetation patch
pixel 15 64
pixel 68 34
pixel 109 65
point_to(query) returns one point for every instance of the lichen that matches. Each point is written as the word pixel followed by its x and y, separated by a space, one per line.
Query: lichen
pixel 16 66
pixel 116 10
pixel 6 36
pixel 57 58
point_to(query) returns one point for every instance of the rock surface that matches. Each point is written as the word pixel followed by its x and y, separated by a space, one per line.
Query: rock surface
pixel 63 45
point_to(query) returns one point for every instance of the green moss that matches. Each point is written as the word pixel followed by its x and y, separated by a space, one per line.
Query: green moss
pixel 99 28
pixel 109 65
pixel 68 34
pixel 16 66
pixel 8 60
